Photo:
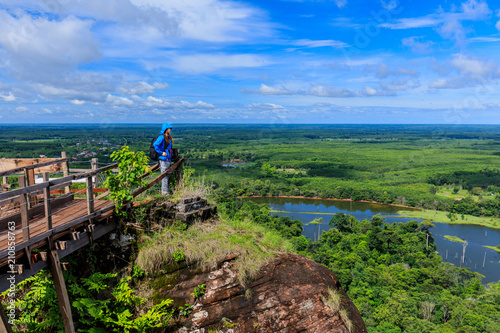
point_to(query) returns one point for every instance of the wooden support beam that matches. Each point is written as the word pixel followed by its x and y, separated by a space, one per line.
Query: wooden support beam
pixel 5 327
pixel 101 229
pixel 62 293
pixel 58 229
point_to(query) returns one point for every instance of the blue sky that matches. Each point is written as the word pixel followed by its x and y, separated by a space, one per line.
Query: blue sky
pixel 270 62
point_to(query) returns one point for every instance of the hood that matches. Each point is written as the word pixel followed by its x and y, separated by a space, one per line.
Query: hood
pixel 164 127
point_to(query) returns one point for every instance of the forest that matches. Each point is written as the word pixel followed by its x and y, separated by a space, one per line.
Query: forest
pixel 390 271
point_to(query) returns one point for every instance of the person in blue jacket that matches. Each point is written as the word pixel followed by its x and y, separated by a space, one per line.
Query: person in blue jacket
pixel 163 146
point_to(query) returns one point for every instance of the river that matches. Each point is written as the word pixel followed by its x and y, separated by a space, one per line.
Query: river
pixel 307 210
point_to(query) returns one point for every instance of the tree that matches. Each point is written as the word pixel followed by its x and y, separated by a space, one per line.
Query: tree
pixel 131 166
pixel 343 222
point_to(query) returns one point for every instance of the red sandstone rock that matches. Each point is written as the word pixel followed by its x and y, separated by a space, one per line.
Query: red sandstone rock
pixel 286 297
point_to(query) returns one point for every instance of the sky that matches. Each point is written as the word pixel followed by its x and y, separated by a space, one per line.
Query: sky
pixel 259 61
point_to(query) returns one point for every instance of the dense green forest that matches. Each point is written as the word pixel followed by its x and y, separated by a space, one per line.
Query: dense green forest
pixel 419 166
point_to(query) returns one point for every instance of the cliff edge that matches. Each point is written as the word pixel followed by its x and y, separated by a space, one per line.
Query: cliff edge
pixel 290 294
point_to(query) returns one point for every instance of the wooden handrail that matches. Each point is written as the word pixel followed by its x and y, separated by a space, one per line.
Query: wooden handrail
pixel 33 166
pixel 54 182
pixel 157 179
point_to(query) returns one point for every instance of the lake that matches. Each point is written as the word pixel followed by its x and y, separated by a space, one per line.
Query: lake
pixel 307 210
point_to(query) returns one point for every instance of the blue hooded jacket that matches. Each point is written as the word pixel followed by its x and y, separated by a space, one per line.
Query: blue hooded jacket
pixel 160 146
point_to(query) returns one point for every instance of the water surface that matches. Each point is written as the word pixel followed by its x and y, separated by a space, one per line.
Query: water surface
pixel 307 210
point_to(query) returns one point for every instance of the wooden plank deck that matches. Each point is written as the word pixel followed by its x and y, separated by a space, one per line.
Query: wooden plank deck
pixel 61 216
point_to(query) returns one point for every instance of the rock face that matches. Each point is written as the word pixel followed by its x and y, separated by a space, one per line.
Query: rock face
pixel 286 296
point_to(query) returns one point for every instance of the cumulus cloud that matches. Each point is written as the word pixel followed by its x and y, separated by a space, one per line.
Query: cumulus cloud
pixel 118 101
pixel 8 98
pixel 207 20
pixel 464 71
pixel 77 102
pixel 140 88
pixel 417 46
pixel 448 24
pixel 267 90
pixel 21 109
pixel 36 46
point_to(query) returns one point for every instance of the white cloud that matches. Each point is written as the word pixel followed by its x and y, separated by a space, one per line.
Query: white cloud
pixel 163 103
pixel 320 43
pixel 207 20
pixel 47 110
pixel 267 90
pixel 81 91
pixel 473 66
pixel 411 23
pixel 465 71
pixel 207 63
pixel 319 90
pixel 484 39
pixel 8 98
pixel 36 46
pixel 118 101
pixel 383 71
pixel 21 109
pixel 498 23
pixel 417 46
pixel 77 102
pixel 389 4
pixel 264 106
pixel 340 3
pixel 448 24
pixel 140 88
pixel 161 86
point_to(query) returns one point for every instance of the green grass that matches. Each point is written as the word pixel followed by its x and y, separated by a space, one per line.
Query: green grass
pixel 497 248
pixel 206 244
pixel 442 217
pixel 454 239
pixel 447 192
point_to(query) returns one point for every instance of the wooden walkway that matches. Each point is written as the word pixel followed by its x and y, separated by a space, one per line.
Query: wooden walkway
pixel 54 226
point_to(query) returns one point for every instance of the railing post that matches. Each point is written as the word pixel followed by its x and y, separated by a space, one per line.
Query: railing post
pixel 65 168
pixel 46 202
pixel 94 165
pixel 4 181
pixel 23 207
pixel 23 202
pixel 90 196
pixel 48 209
